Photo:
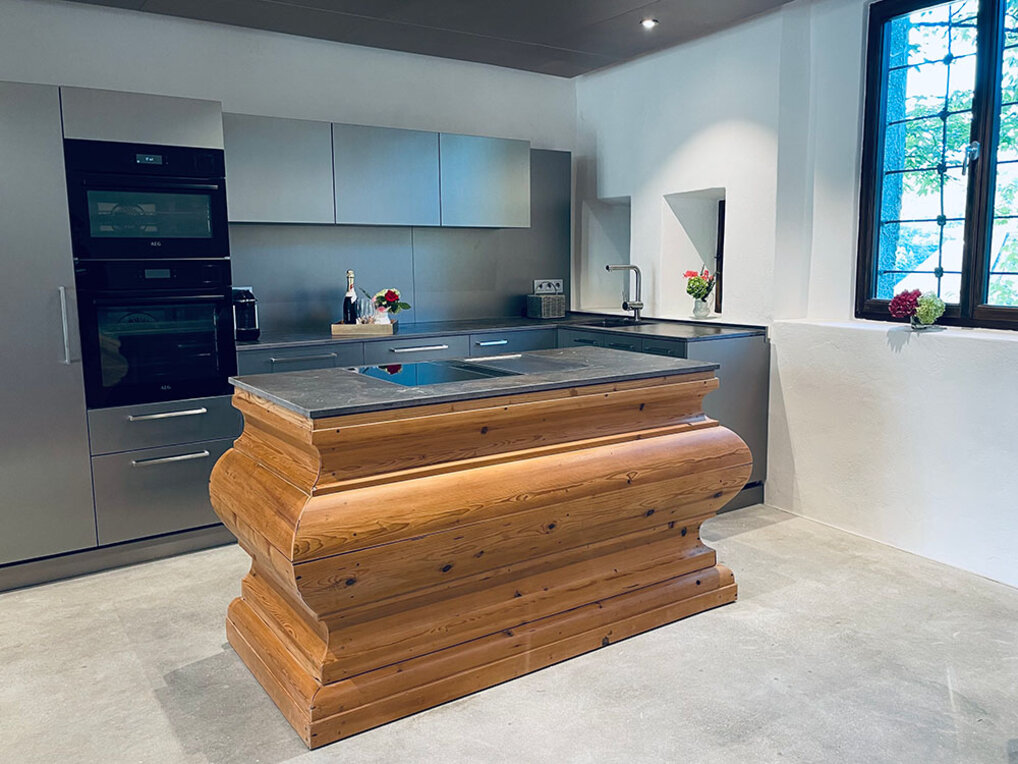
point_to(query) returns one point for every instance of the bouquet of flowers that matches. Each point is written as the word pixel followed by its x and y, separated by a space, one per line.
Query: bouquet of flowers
pixel 389 300
pixel 699 284
pixel 921 309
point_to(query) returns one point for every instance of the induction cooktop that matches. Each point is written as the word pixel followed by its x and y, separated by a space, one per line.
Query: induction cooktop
pixel 431 372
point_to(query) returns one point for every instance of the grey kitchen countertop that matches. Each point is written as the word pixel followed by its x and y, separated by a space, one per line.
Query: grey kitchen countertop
pixel 333 392
pixel 660 328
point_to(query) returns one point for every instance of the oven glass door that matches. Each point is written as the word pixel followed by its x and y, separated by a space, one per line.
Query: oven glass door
pixel 162 218
pixel 120 214
pixel 150 348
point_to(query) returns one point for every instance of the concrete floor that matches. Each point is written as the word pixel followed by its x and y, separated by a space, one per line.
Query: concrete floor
pixel 839 649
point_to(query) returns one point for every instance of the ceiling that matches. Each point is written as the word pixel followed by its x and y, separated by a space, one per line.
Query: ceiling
pixel 559 37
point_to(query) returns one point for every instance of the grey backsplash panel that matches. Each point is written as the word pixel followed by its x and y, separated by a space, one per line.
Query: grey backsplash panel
pixel 298 271
pixel 486 272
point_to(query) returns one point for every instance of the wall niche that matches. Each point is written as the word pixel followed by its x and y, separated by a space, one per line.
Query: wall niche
pixel 692 238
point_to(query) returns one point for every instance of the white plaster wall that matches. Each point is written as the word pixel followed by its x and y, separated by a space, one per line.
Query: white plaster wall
pixel 905 438
pixel 701 116
pixel 901 437
pixel 255 72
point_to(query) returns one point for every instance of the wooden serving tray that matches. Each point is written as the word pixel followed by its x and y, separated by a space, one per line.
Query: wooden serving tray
pixel 363 330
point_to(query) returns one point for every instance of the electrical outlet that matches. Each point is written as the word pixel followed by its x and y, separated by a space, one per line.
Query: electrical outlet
pixel 549 286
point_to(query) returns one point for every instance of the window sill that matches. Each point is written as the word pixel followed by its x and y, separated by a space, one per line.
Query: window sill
pixel 948 333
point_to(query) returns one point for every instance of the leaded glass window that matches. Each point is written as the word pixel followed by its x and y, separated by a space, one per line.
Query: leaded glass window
pixel 940 159
pixel 1002 286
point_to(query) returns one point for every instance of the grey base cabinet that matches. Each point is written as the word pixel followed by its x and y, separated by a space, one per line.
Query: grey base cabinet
pixel 155 490
pixel 151 465
pixel 741 402
pixel 45 481
pixel 568 338
pixel 497 343
pixel 410 350
pixel 330 355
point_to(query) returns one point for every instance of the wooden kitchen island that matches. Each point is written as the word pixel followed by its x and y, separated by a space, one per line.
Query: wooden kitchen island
pixel 412 545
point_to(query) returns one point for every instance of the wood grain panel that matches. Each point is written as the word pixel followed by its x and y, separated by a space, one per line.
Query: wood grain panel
pixel 508 602
pixel 602 615
pixel 439 559
pixel 352 451
pixel 404 558
pixel 359 518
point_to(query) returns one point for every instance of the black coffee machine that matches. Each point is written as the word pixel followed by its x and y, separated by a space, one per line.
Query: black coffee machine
pixel 245 314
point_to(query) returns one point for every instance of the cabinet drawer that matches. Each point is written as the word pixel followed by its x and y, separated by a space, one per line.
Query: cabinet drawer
pixel 568 338
pixel 325 356
pixel 126 428
pixel 154 491
pixel 619 342
pixel 671 348
pixel 496 343
pixel 410 349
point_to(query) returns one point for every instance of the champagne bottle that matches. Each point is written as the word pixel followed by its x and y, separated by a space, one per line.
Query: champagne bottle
pixel 350 301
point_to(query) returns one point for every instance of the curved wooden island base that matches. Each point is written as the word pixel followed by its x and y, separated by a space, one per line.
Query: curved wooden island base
pixel 407 557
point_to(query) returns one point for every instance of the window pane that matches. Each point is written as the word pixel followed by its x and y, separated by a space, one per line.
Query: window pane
pixel 1003 262
pixel 1008 149
pixel 1010 25
pixel 924 256
pixel 932 33
pixel 928 122
pixel 1002 280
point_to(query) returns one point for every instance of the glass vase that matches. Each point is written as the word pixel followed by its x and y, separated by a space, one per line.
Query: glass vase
pixel 700 309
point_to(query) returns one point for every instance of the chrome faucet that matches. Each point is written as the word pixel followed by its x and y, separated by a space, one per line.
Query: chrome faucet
pixel 634 305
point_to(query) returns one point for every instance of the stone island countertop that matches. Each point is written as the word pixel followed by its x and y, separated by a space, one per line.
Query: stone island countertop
pixel 334 392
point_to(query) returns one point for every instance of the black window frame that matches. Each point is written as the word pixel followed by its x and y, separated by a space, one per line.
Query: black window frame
pixel 972 310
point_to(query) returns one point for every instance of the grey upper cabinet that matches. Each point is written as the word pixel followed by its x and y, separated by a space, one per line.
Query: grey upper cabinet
pixel 278 170
pixel 485 181
pixel 45 479
pixel 386 176
pixel 109 115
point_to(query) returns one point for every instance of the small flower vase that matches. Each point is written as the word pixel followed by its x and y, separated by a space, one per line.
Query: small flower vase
pixel 917 325
pixel 700 309
pixel 382 316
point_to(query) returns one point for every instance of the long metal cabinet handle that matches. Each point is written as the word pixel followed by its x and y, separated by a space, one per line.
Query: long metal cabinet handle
pixel 489 343
pixel 298 358
pixel 419 349
pixel 584 341
pixel 506 357
pixel 64 325
pixel 203 454
pixel 166 415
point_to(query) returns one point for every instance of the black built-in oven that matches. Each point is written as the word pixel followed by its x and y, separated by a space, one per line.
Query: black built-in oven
pixel 155 330
pixel 152 269
pixel 138 201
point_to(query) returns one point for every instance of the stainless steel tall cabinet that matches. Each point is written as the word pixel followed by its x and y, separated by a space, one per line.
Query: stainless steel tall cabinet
pixel 45 481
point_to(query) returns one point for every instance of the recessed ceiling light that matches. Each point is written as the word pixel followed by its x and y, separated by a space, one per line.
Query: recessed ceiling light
pixel 649 23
